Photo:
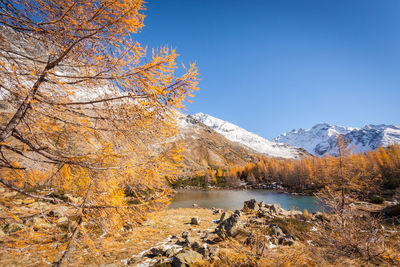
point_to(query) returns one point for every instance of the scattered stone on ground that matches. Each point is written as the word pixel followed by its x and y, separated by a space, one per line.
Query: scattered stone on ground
pixel 216 211
pixel 230 227
pixel 251 205
pixel 286 240
pixel 276 230
pixel 196 245
pixel 187 258
pixel 195 220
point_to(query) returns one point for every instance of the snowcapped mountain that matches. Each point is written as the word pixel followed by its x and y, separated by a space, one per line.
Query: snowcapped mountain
pixel 321 138
pixel 205 148
pixel 255 142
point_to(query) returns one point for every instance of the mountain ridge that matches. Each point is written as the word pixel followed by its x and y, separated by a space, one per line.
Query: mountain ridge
pixel 255 142
pixel 321 138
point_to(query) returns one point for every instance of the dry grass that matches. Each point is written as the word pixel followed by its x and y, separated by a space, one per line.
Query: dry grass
pixel 108 249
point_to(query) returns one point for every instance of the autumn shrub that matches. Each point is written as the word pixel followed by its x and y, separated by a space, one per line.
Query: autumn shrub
pixel 90 115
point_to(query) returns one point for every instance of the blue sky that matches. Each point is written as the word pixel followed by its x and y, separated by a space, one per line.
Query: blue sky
pixel 273 66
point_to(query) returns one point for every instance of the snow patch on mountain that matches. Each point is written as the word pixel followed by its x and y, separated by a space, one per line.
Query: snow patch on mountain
pixel 321 138
pixel 239 135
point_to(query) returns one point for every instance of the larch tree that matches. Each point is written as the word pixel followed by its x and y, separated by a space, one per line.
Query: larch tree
pixel 87 112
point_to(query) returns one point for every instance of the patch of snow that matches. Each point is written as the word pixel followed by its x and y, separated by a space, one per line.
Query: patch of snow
pixel 272 245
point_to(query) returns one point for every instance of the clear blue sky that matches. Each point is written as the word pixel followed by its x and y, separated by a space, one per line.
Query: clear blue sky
pixel 272 66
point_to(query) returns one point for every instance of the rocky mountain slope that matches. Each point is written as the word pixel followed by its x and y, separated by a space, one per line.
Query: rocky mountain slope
pixel 206 148
pixel 321 138
pixel 251 140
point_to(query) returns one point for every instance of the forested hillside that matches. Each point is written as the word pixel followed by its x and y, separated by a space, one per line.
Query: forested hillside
pixel 373 172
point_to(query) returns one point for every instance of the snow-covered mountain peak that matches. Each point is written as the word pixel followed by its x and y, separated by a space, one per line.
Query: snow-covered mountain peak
pixel 259 144
pixel 321 138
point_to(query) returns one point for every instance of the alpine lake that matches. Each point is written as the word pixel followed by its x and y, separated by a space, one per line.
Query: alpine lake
pixel 233 199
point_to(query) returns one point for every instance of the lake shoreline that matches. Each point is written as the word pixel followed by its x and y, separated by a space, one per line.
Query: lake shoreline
pixel 276 188
pixel 232 199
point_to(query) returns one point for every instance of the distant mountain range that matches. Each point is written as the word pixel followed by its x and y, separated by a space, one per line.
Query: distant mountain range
pixel 212 142
pixel 321 138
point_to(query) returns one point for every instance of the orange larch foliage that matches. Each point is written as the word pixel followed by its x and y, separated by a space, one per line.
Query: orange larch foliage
pixel 88 110
pixel 365 172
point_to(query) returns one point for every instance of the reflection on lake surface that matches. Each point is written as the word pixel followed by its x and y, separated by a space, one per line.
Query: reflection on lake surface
pixel 233 199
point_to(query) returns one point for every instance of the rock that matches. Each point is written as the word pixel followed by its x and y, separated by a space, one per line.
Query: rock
pixel 171 252
pixel 185 234
pixel 251 205
pixel 161 263
pixel 186 258
pixel 238 212
pixel 185 240
pixel 213 251
pixel 211 238
pixel 224 215
pixel 216 211
pixel 276 230
pixel 256 221
pixel 188 241
pixel 318 216
pixel 195 220
pixel 230 226
pixel 286 240
pixel 194 205
pixel 264 213
pixel 134 260
pixel 12 227
pixel 276 208
pixel 261 204
pixel 203 251
pixel 292 213
pixel 157 252
pixel 195 245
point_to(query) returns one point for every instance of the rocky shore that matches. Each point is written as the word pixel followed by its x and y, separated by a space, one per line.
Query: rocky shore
pixel 177 237
pixel 195 247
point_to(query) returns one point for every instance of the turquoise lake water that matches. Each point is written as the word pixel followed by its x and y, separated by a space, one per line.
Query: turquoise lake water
pixel 233 199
